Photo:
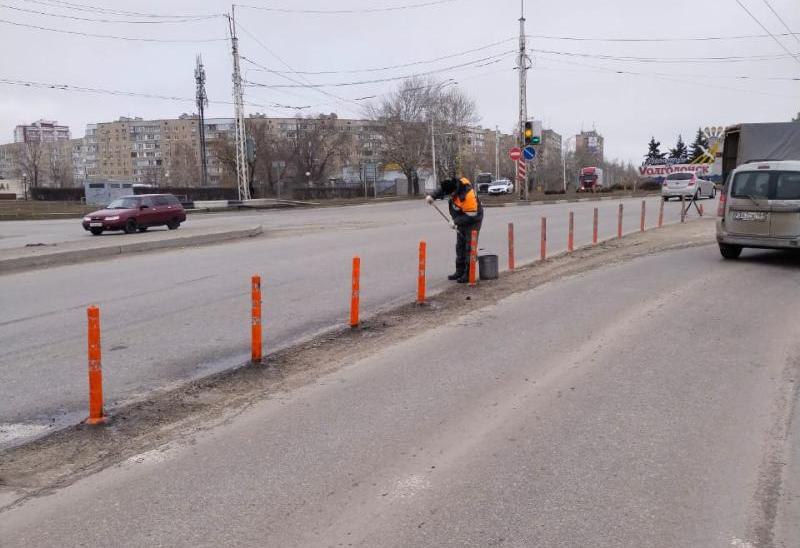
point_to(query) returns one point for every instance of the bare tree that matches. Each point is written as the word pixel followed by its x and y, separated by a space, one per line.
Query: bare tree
pixel 319 146
pixel 274 153
pixel 184 165
pixel 31 160
pixel 224 152
pixel 406 117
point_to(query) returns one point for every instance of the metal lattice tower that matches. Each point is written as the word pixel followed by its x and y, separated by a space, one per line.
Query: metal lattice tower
pixel 202 103
pixel 238 101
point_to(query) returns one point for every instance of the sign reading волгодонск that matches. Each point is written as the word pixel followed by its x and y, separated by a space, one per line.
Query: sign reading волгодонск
pixel 663 169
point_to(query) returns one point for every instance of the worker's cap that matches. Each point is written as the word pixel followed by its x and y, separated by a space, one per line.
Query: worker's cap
pixel 449 186
pixel 465 181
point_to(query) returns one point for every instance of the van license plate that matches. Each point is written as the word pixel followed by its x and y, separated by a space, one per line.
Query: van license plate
pixel 750 216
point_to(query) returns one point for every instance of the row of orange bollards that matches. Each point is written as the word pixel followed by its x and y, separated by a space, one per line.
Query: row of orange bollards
pixel 96 411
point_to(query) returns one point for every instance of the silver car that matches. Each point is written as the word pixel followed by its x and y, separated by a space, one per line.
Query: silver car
pixel 687 185
pixel 760 207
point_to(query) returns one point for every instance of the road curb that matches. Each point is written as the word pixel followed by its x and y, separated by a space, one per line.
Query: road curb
pixel 86 255
pixel 562 201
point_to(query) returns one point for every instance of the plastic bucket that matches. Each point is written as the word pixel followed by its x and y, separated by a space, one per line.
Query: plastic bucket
pixel 487 267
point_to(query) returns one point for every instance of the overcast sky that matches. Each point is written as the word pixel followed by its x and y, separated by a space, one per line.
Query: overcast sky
pixel 568 92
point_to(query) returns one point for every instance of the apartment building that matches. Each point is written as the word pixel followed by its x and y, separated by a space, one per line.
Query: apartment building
pixel 589 147
pixel 41 131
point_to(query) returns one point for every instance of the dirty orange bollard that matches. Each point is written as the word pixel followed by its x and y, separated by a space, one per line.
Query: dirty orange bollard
pixel 701 210
pixel 571 233
pixel 354 295
pixel 511 262
pixel 543 240
pixel 255 329
pixel 641 222
pixel 96 415
pixel 473 258
pixel 594 227
pixel 619 222
pixel 661 215
pixel 421 273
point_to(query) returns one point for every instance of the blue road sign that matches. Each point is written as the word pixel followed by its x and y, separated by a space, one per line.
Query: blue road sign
pixel 529 152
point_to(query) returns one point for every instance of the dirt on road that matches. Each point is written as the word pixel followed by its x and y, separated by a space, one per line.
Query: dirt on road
pixel 178 415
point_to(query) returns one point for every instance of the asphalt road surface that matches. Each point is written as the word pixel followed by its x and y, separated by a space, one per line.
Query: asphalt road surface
pixel 172 315
pixel 644 404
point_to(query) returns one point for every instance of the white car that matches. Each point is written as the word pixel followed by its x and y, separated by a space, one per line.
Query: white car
pixel 501 186
pixel 688 185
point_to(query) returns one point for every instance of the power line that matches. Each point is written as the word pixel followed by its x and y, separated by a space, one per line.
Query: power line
pixel 475 63
pixel 348 11
pixel 107 11
pixel 775 13
pixel 760 24
pixel 404 65
pixel 95 20
pixel 113 37
pixel 113 92
pixel 687 39
pixel 717 59
pixel 342 102
pixel 667 78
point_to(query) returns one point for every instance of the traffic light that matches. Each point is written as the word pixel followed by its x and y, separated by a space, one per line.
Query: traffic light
pixel 527 134
pixel 537 132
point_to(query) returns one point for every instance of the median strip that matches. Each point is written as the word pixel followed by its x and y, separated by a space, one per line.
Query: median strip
pixel 16 260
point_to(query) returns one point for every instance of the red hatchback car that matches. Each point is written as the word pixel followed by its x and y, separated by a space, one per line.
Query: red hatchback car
pixel 132 213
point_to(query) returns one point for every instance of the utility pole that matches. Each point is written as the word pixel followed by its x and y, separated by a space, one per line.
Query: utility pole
pixel 496 152
pixel 238 101
pixel 433 156
pixel 523 64
pixel 202 103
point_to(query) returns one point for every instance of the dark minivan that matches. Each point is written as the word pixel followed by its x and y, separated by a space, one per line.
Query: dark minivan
pixel 132 213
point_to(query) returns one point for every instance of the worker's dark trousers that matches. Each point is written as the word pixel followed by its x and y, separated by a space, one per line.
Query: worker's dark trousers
pixel 463 239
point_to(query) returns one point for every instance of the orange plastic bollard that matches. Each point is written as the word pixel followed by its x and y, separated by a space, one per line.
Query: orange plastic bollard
pixel 421 273
pixel 571 234
pixel 641 222
pixel 473 258
pixel 543 240
pixel 701 210
pixel 255 329
pixel 511 263
pixel 96 415
pixel 619 222
pixel 661 215
pixel 594 228
pixel 354 295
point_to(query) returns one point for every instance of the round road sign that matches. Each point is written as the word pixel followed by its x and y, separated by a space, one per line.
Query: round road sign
pixel 515 153
pixel 529 152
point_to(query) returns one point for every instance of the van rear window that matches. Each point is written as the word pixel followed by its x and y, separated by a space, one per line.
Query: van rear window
pixel 770 185
pixel 787 187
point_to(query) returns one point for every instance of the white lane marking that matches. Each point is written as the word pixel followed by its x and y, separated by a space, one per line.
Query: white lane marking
pixel 407 488
pixel 742 543
pixel 13 431
pixel 154 456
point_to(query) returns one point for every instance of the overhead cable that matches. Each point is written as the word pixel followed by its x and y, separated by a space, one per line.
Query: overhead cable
pixel 760 24
pixel 96 20
pixel 109 11
pixel 114 37
pixel 348 11
pixel 775 13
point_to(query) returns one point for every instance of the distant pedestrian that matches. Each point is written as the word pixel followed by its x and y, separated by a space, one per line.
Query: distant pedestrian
pixel 466 211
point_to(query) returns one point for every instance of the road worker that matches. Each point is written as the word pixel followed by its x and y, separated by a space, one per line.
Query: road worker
pixel 466 212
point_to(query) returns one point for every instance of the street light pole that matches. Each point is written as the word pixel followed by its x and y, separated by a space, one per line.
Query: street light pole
pixel 564 151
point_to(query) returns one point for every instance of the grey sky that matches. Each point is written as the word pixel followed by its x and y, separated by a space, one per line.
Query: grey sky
pixel 567 92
